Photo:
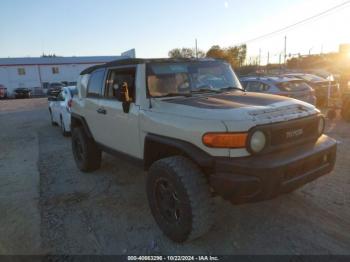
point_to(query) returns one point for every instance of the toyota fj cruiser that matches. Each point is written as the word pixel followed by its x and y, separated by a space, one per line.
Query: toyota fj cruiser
pixel 199 134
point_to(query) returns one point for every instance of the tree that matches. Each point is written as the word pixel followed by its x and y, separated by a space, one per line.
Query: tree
pixel 217 52
pixel 235 55
pixel 185 53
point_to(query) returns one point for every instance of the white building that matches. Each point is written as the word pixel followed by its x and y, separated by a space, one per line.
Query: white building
pixel 37 72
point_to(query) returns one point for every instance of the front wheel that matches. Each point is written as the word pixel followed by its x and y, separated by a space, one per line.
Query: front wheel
pixel 179 198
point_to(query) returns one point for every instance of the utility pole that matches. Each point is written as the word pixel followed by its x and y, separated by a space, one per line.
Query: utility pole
pixel 285 49
pixel 196 48
pixel 268 57
pixel 310 50
pixel 259 56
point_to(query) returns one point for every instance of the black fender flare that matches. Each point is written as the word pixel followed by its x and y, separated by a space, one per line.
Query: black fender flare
pixel 157 147
pixel 77 121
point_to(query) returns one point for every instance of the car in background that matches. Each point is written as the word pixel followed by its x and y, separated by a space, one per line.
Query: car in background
pixel 3 91
pixel 320 85
pixel 22 92
pixel 60 108
pixel 67 83
pixel 280 85
pixel 54 89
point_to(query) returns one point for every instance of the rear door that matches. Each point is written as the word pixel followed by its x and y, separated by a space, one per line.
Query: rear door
pixel 121 131
pixel 93 113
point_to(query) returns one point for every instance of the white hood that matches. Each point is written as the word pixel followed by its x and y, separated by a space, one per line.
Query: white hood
pixel 235 106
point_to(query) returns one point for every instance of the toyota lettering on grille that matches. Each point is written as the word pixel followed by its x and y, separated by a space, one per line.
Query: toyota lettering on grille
pixel 294 133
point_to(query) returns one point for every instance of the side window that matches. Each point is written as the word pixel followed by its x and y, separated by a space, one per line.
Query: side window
pixel 255 86
pixel 96 83
pixel 21 71
pixel 116 79
pixel 244 84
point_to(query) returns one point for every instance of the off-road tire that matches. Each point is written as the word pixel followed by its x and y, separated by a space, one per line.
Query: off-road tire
pixel 63 128
pixel 86 153
pixel 196 209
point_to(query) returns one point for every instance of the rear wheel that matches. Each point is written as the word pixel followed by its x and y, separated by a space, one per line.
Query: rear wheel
pixel 179 198
pixel 86 153
pixel 63 128
pixel 51 117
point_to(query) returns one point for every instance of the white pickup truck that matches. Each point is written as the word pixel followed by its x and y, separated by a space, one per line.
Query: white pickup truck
pixel 199 135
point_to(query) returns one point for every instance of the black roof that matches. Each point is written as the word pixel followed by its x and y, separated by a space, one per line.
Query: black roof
pixel 136 61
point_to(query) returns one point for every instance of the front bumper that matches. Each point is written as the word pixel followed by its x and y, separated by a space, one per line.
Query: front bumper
pixel 257 178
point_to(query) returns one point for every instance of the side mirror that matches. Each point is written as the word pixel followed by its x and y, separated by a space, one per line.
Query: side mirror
pixel 52 98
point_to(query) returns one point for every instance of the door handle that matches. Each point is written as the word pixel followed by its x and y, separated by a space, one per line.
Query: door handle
pixel 102 111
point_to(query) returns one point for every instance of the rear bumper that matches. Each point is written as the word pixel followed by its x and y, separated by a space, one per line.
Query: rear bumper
pixel 258 178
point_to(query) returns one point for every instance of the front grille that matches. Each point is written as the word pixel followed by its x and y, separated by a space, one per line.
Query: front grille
pixel 294 131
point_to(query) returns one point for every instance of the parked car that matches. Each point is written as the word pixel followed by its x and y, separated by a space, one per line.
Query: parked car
pixel 54 89
pixel 22 92
pixel 320 85
pixel 3 91
pixel 67 83
pixel 60 108
pixel 198 134
pixel 279 85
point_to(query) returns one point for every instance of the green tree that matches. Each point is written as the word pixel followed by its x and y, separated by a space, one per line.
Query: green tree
pixel 217 52
pixel 185 53
pixel 235 55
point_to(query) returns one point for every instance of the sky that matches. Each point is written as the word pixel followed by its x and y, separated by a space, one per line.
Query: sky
pixel 153 27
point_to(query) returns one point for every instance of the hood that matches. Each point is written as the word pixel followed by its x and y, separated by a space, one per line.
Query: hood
pixel 234 106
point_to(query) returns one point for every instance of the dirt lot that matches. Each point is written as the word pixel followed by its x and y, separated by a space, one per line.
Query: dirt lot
pixel 48 206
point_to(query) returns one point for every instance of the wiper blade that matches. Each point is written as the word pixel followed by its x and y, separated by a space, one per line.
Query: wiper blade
pixel 229 88
pixel 173 95
pixel 205 90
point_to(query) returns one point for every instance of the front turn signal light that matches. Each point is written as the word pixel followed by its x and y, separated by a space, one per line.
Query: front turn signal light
pixel 225 140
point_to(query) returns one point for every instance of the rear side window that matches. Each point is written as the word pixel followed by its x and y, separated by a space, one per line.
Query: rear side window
pixel 96 83
pixel 115 80
pixel 254 86
pixel 293 86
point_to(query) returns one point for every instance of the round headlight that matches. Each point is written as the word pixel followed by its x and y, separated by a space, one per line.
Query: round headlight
pixel 257 141
pixel 321 125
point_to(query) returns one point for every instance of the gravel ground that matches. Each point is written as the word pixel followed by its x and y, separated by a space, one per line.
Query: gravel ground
pixel 48 206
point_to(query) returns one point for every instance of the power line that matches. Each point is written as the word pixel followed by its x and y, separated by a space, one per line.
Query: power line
pixel 298 23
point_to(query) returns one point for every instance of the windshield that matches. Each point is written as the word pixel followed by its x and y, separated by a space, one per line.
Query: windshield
pixel 171 79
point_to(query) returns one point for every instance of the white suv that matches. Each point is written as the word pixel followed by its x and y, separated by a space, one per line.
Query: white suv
pixel 199 134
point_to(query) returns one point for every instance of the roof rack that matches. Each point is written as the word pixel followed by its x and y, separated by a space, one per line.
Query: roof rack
pixel 135 61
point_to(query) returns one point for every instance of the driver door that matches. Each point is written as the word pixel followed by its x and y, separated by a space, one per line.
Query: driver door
pixel 121 128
